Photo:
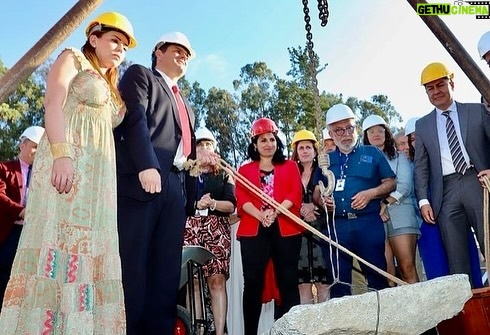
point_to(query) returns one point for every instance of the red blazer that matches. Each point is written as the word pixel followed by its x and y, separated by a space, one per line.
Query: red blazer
pixel 287 185
pixel 10 196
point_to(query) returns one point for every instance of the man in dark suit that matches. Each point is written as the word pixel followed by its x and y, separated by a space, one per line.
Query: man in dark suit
pixel 14 176
pixel 155 193
pixel 451 153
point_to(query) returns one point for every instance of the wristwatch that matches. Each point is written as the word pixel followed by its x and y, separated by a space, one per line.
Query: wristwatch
pixel 386 202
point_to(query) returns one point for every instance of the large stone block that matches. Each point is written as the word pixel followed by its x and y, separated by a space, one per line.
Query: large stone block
pixel 403 310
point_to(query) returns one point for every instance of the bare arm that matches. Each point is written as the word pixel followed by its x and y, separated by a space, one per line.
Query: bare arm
pixel 60 76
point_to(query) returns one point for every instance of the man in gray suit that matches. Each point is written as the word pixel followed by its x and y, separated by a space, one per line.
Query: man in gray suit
pixel 451 151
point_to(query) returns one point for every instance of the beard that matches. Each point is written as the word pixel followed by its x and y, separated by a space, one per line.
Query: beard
pixel 348 144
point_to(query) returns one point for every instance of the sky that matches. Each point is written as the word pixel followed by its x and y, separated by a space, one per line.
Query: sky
pixel 371 46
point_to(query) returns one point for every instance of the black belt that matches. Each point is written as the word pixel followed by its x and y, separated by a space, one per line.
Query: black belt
pixel 456 174
pixel 348 216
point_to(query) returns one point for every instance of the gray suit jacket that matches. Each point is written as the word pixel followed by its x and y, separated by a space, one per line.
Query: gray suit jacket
pixel 474 122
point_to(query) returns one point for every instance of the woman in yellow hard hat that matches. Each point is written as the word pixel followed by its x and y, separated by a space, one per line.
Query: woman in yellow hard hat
pixel 66 276
pixel 312 266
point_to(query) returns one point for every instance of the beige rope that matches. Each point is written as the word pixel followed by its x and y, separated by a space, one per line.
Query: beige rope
pixel 258 192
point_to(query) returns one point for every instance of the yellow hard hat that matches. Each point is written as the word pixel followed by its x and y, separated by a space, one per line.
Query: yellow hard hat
pixel 435 71
pixel 112 20
pixel 304 135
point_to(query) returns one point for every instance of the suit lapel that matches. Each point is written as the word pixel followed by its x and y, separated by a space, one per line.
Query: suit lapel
pixel 431 128
pixel 18 177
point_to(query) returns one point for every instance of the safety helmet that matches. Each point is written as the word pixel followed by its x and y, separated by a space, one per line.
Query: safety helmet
pixel 339 112
pixel 304 135
pixel 435 71
pixel 484 44
pixel 112 20
pixel 373 120
pixel 263 126
pixel 33 133
pixel 205 134
pixel 410 126
pixel 326 134
pixel 175 38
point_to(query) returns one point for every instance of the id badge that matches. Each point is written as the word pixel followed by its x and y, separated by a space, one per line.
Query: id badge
pixel 203 212
pixel 340 184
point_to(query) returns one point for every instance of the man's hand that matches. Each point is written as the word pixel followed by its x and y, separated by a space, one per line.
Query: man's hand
pixel 482 175
pixel 362 199
pixel 427 214
pixel 150 180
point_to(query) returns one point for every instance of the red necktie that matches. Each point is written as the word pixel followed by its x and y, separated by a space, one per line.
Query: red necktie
pixel 184 122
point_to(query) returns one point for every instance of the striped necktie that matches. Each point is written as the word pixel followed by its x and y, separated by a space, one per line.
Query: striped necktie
pixel 454 146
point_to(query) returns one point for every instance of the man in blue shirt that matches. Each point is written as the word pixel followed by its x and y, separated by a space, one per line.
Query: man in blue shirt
pixel 362 178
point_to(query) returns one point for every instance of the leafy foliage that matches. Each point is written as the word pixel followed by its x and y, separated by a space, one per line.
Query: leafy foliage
pixel 258 92
pixel 22 109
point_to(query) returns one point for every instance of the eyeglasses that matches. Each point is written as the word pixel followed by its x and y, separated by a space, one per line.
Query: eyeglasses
pixel 342 131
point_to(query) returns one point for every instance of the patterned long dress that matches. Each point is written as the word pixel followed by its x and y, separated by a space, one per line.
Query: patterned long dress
pixel 66 277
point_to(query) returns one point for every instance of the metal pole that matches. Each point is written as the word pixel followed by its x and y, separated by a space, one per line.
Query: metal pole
pixel 45 46
pixel 456 50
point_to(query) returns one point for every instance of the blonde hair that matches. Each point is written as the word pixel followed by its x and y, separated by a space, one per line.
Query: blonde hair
pixel 112 74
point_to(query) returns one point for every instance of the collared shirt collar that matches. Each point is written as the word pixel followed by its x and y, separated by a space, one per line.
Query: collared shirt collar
pixel 451 108
pixel 167 79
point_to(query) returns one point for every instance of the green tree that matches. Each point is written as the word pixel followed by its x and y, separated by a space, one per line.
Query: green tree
pixel 256 89
pixel 223 119
pixel 23 108
pixel 379 105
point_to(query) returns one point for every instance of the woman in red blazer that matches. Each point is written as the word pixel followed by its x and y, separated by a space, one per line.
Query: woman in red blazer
pixel 264 233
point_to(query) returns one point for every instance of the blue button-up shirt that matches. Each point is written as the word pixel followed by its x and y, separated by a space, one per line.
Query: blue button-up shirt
pixel 363 168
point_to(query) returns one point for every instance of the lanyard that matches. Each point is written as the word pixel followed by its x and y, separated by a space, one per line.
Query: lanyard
pixel 343 164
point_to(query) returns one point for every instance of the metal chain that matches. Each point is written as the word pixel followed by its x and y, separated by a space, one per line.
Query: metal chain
pixel 323 15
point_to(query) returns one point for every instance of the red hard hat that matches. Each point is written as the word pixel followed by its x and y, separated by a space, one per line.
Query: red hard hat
pixel 263 126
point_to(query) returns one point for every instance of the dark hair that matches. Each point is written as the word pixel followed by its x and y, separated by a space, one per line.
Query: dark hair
pixel 294 156
pixel 278 157
pixel 389 145
pixel 163 48
pixel 411 149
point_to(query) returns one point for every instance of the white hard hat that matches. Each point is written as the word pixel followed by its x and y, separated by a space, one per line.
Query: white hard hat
pixel 339 112
pixel 410 126
pixel 484 44
pixel 176 38
pixel 34 133
pixel 205 134
pixel 326 135
pixel 373 120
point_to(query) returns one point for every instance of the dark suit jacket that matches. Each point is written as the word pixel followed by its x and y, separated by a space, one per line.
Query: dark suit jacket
pixel 474 124
pixel 10 196
pixel 150 133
